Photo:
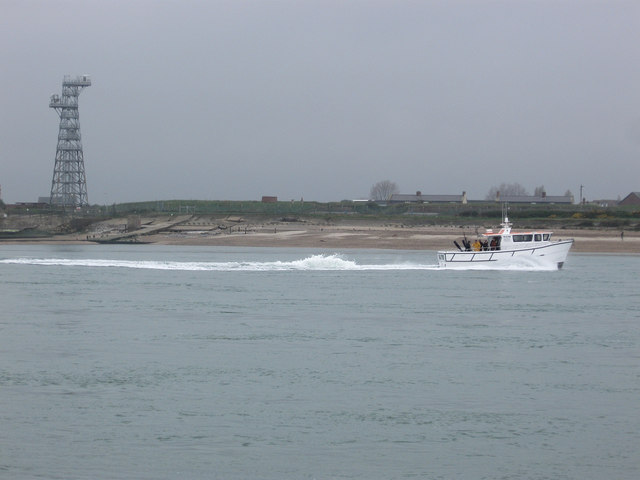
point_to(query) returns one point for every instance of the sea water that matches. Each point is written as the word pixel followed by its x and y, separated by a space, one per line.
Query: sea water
pixel 157 362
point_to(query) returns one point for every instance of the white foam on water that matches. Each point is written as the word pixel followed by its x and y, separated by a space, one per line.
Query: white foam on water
pixel 315 262
pixel 332 262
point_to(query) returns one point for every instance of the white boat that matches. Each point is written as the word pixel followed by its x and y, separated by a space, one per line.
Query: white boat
pixel 504 248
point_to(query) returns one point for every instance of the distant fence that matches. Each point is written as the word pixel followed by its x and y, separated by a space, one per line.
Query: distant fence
pixel 481 209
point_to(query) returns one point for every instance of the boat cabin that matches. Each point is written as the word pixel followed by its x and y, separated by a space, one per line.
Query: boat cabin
pixel 491 241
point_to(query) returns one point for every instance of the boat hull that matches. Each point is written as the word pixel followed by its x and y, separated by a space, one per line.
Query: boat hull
pixel 548 255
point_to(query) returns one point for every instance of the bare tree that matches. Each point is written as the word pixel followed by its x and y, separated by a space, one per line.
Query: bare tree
pixel 383 190
pixel 539 191
pixel 506 189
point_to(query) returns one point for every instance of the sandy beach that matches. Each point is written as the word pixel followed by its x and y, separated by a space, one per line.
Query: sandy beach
pixel 238 231
pixel 404 238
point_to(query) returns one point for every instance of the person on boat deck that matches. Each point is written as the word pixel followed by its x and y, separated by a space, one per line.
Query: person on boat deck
pixel 476 246
pixel 494 243
pixel 485 245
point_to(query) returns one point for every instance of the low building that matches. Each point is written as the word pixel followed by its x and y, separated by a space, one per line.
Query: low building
pixel 544 198
pixel 462 199
pixel 420 198
pixel 632 199
pixel 604 203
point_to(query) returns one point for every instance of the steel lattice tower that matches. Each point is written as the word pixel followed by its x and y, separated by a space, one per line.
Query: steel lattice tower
pixel 69 184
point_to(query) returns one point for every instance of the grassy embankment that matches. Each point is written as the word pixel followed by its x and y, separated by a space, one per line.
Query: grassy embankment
pixel 481 213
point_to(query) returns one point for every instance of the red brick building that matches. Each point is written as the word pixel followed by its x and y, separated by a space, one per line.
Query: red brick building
pixel 632 199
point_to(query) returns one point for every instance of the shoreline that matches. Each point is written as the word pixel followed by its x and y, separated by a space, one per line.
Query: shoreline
pixel 345 236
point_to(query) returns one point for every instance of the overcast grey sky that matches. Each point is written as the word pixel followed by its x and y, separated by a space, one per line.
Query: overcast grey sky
pixel 321 99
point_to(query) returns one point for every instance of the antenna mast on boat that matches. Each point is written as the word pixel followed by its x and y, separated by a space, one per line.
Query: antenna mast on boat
pixel 506 224
pixel 505 211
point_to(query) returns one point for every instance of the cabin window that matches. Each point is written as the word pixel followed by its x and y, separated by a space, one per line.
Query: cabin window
pixel 522 238
pixel 545 237
pixel 538 237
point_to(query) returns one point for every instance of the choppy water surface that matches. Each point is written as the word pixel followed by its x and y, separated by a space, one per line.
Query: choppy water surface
pixel 236 363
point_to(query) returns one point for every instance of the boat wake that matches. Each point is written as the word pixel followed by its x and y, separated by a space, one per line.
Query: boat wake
pixel 334 262
pixel 313 263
